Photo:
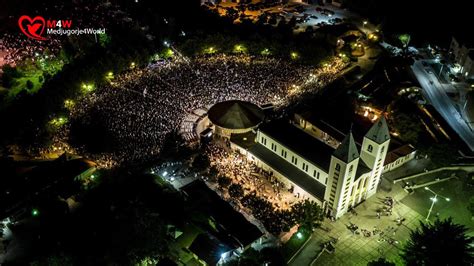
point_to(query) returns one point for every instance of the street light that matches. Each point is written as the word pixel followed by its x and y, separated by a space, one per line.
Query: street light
pixel 299 235
pixel 294 55
pixel 433 200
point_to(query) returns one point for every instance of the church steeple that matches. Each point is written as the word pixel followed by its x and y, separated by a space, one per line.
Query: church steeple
pixel 347 150
pixel 379 132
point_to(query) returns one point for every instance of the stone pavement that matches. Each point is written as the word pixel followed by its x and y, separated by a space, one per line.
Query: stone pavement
pixel 353 249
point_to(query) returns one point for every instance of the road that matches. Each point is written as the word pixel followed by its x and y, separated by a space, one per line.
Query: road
pixel 434 92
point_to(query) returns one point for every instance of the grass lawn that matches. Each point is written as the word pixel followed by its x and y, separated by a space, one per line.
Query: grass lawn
pixel 295 243
pixel 458 193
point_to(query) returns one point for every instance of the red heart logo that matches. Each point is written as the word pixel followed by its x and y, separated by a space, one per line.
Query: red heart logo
pixel 30 27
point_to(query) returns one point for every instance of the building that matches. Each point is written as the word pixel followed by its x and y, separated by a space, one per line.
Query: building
pixel 216 233
pixel 399 157
pixel 25 183
pixel 338 178
pixel 398 153
pixel 234 117
pixel 463 54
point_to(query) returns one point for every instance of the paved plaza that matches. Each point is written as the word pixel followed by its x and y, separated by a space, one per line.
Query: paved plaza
pixel 357 249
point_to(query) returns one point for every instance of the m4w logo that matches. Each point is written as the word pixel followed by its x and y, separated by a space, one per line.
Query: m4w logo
pixel 58 24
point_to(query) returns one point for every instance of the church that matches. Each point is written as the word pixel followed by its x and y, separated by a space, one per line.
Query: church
pixel 338 178
pixel 321 165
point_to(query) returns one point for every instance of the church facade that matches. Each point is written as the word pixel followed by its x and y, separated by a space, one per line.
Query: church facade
pixel 337 178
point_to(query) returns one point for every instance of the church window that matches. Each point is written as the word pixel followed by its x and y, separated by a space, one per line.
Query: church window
pixel 370 148
pixel 383 148
pixel 350 168
pixel 338 167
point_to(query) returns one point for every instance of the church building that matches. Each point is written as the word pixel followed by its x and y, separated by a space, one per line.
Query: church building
pixel 338 178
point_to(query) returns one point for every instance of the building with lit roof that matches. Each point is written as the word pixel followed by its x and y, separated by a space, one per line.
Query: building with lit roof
pixel 234 117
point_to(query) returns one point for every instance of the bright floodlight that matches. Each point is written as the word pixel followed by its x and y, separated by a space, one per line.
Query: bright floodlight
pixel 426 188
pixel 299 235
pixel 448 199
pixel 165 173
pixel 434 199
pixel 35 212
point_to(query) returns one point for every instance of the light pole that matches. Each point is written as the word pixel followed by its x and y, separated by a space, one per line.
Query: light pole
pixel 433 199
pixel 439 75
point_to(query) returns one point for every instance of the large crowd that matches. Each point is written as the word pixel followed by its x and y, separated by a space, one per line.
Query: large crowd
pixel 139 108
pixel 269 200
pixel 16 47
pixel 252 178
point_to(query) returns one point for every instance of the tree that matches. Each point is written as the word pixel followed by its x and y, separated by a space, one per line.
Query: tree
pixel 236 191
pixel 440 243
pixel 380 262
pixel 405 40
pixel 9 75
pixel 224 181
pixel 53 260
pixel 201 162
pixel 308 214
pixel 232 14
pixel 213 171
pixel 29 84
pixel 470 206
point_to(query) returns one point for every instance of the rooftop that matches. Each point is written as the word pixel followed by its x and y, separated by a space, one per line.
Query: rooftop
pixel 43 177
pixel 235 114
pixel 379 131
pixel 208 248
pixel 347 150
pixel 402 151
pixel 232 228
pixel 288 170
pixel 299 142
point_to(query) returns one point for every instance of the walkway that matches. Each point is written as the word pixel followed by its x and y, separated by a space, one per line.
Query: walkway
pixel 353 249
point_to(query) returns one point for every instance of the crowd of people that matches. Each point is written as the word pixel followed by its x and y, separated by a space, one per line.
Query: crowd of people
pixel 264 196
pixel 252 178
pixel 140 107
pixel 15 47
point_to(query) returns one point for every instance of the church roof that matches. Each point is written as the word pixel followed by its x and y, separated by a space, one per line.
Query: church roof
pixel 347 150
pixel 290 171
pixel 236 114
pixel 300 142
pixel 379 131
